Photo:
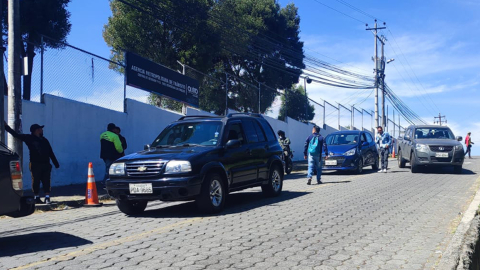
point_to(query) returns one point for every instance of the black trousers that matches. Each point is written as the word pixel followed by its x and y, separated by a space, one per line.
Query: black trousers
pixel 469 151
pixel 40 174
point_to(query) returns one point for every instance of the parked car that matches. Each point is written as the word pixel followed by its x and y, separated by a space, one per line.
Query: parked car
pixel 350 151
pixel 200 158
pixel 12 201
pixel 430 146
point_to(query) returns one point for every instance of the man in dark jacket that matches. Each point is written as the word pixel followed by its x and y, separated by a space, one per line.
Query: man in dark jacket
pixel 117 131
pixel 315 157
pixel 40 155
pixel 111 148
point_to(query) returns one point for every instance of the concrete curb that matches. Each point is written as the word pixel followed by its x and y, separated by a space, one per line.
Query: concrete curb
pixel 69 203
pixel 451 257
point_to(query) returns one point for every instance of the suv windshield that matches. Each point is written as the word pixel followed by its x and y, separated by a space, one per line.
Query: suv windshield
pixel 433 133
pixel 342 139
pixel 185 134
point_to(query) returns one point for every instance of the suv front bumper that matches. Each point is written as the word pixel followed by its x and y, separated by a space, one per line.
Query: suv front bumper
pixel 455 158
pixel 165 189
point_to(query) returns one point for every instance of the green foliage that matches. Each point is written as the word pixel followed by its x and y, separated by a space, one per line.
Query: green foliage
pixel 293 105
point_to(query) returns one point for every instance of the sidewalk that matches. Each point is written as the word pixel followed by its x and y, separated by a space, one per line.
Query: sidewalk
pixel 71 195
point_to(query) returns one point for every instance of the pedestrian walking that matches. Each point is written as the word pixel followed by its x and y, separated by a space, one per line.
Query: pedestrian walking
pixel 40 155
pixel 313 153
pixel 384 142
pixel 122 139
pixel 468 144
pixel 110 148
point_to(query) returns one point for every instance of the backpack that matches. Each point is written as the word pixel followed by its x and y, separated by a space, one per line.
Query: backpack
pixel 314 148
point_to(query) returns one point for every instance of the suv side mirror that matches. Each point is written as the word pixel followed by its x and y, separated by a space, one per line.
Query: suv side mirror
pixel 364 143
pixel 407 137
pixel 459 138
pixel 233 144
pixel 146 147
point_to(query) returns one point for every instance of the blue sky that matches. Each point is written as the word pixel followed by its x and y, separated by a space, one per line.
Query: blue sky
pixel 434 43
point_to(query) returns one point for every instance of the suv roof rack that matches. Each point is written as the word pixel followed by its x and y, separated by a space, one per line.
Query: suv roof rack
pixel 248 114
pixel 197 116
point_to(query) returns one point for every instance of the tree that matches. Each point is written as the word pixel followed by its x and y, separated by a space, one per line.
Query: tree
pixel 41 17
pixel 164 32
pixel 293 105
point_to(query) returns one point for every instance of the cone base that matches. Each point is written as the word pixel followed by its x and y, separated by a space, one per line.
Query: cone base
pixel 93 205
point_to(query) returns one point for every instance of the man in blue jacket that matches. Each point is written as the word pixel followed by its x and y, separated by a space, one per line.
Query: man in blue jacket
pixel 383 141
pixel 313 153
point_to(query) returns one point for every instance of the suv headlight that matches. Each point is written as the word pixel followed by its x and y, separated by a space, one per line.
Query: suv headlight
pixel 422 147
pixel 117 169
pixel 178 166
pixel 459 147
pixel 350 152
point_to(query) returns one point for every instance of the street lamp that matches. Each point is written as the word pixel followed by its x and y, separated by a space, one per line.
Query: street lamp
pixel 305 81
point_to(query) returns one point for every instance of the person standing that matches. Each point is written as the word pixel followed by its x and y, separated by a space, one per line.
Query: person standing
pixel 313 153
pixel 110 148
pixel 468 144
pixel 383 141
pixel 40 155
pixel 283 141
pixel 122 139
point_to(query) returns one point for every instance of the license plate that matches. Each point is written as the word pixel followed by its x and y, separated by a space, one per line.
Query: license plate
pixel 330 162
pixel 141 188
pixel 441 155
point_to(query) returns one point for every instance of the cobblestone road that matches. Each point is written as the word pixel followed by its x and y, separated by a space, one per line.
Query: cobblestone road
pixel 371 221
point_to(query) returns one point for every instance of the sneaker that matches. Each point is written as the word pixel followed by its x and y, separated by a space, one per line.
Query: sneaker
pixel 380 171
pixel 47 200
pixel 309 181
pixel 38 200
pixel 319 182
pixel 385 170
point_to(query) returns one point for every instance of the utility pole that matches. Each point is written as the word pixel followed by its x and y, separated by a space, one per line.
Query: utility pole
pixel 382 83
pixel 14 75
pixel 2 90
pixel 376 70
pixel 226 94
pixel 439 121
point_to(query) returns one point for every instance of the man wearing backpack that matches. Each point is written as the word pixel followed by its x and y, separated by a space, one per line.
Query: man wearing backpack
pixel 313 153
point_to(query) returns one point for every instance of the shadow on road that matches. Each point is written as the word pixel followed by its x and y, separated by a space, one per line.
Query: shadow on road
pixel 35 242
pixel 236 203
pixel 442 170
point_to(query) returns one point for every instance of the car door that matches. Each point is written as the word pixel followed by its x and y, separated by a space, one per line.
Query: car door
pixel 238 161
pixel 365 150
pixel 256 143
pixel 407 144
pixel 373 148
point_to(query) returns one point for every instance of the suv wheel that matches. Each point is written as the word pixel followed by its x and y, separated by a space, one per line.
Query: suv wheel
pixel 413 166
pixel 401 160
pixel 457 169
pixel 275 183
pixel 212 196
pixel 131 207
pixel 375 165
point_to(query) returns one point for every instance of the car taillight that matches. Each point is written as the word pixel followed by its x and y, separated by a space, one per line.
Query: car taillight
pixel 16 175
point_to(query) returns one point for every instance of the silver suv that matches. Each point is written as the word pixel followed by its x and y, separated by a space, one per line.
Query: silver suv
pixel 430 146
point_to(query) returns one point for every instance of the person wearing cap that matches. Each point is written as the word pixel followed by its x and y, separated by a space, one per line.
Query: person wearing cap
pixel 468 144
pixel 40 155
pixel 110 148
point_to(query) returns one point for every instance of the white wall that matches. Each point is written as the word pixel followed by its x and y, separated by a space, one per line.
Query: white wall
pixel 73 129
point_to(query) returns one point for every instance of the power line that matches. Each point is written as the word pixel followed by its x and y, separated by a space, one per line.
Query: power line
pixel 343 13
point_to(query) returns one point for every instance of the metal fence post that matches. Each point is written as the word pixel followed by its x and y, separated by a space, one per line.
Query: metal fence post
pixel 324 111
pixel 226 94
pixel 352 118
pixel 339 117
pixel 41 69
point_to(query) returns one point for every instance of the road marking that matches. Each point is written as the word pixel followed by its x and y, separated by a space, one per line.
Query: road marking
pixel 100 246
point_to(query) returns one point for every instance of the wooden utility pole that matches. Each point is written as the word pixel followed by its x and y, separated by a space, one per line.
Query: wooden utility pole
pixel 14 75
pixel 439 121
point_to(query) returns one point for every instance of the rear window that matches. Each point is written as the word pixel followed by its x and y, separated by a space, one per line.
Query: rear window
pixel 268 130
pixel 4 150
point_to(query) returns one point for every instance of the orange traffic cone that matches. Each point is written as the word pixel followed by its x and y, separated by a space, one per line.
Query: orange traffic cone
pixel 91 196
pixel 393 152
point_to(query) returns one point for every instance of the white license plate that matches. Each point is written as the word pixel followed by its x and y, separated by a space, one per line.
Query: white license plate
pixel 330 162
pixel 141 188
pixel 441 155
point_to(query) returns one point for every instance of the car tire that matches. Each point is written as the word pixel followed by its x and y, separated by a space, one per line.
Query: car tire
pixel 375 165
pixel 275 182
pixel 359 169
pixel 413 166
pixel 213 194
pixel 458 169
pixel 401 160
pixel 131 208
pixel 25 209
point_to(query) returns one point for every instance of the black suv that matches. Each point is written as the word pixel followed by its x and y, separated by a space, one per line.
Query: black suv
pixel 200 158
pixel 12 201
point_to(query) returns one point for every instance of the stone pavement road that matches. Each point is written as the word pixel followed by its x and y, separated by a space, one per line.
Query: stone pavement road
pixel 370 221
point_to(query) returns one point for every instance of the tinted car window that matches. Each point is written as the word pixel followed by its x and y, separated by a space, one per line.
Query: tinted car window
pixel 201 133
pixel 235 132
pixel 252 136
pixel 268 130
pixel 260 132
pixel 433 133
pixel 369 137
pixel 4 149
pixel 364 139
pixel 341 139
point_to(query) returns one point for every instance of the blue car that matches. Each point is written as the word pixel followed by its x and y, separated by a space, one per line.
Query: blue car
pixel 350 151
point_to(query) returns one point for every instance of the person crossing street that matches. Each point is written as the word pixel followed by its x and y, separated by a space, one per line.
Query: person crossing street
pixel 383 141
pixel 313 153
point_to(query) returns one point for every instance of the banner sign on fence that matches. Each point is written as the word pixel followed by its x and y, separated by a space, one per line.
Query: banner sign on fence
pixel 149 76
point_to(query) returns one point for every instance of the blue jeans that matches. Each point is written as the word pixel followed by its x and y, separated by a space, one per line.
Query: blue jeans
pixel 314 163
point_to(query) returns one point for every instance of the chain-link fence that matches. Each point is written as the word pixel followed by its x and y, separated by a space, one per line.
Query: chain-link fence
pixel 76 74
